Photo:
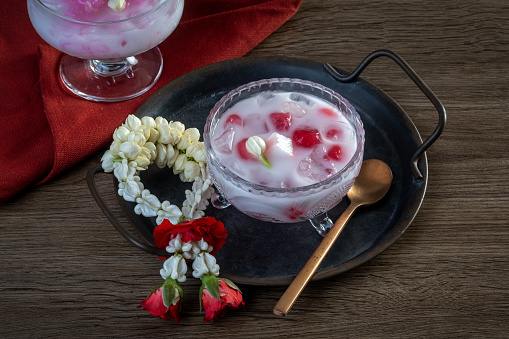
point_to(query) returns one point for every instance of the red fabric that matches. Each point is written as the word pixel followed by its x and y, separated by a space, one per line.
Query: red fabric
pixel 44 130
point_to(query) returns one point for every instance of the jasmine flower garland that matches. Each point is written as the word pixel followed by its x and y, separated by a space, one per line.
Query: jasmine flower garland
pixel 136 145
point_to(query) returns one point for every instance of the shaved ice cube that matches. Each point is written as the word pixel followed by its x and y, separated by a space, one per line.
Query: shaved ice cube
pixel 294 109
pixel 255 124
pixel 301 100
pixel 224 143
pixel 232 121
pixel 278 146
pixel 264 98
pixel 337 131
pixel 317 166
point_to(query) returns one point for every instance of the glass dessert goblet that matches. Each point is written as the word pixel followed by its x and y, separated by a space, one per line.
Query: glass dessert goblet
pixel 276 201
pixel 110 53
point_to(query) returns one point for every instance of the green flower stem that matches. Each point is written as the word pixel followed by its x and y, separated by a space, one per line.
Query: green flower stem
pixel 265 161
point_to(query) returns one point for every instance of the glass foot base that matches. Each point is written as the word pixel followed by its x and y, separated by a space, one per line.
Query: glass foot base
pixel 322 223
pixel 218 201
pixel 111 80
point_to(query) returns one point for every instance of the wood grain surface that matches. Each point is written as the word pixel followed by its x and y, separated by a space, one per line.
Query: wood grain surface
pixel 65 272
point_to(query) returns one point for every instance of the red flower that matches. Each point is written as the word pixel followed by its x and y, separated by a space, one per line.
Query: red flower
pixel 208 228
pixel 164 301
pixel 217 296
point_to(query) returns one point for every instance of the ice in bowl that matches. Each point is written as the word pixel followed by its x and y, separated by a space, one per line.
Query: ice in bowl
pixel 112 38
pixel 284 150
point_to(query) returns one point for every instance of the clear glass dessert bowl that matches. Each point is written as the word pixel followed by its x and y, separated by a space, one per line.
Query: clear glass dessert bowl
pixel 110 53
pixel 282 204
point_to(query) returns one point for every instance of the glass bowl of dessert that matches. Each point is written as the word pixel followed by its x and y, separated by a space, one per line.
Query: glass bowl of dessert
pixel 283 150
pixel 110 46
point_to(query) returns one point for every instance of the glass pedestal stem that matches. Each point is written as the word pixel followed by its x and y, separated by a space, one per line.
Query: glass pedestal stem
pixel 111 67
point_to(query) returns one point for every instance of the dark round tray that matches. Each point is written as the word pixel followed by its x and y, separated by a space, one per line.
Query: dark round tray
pixel 262 253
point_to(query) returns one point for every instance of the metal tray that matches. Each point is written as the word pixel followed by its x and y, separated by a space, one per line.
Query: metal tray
pixel 261 253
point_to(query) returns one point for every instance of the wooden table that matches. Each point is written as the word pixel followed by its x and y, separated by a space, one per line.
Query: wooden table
pixel 65 272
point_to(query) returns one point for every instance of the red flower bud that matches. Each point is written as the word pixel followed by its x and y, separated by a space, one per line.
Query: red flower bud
pixel 217 296
pixel 164 301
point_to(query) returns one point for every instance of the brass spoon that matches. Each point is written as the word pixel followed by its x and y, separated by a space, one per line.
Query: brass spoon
pixel 370 186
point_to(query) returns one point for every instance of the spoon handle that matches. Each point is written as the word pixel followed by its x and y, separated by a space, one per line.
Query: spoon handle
pixel 297 286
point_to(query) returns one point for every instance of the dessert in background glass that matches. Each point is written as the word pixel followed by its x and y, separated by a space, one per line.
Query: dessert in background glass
pixel 314 146
pixel 111 53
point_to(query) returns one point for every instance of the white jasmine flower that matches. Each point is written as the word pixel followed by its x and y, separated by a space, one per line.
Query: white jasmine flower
pixel 137 137
pixel 203 246
pixel 168 211
pixel 107 161
pixel 115 147
pixel 147 204
pixel 174 155
pixel 256 146
pixel 142 162
pixel 175 244
pixel 184 142
pixel 191 171
pixel 131 188
pixel 198 184
pixel 194 133
pixel 196 151
pixel 161 121
pixel 177 125
pixel 121 134
pixel 130 150
pixel 187 246
pixel 185 249
pixel 148 121
pixel 204 173
pixel 190 136
pixel 123 169
pixel 174 267
pixel 176 136
pixel 205 196
pixel 190 209
pixel 149 151
pixel 116 5
pixel 154 135
pixel 161 155
pixel 202 205
pixel 145 131
pixel 200 156
pixel 165 136
pixel 171 153
pixel 180 164
pixel 205 264
pixel 132 123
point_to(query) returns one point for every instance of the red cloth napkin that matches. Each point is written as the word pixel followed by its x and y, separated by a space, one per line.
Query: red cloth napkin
pixel 45 130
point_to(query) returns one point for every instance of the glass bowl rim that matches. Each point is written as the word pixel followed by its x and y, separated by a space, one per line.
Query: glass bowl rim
pixel 98 23
pixel 231 176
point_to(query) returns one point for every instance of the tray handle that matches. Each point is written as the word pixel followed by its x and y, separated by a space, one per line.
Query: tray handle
pixel 113 219
pixel 422 86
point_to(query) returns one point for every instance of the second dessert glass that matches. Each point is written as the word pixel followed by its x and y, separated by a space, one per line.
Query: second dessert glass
pixel 110 55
